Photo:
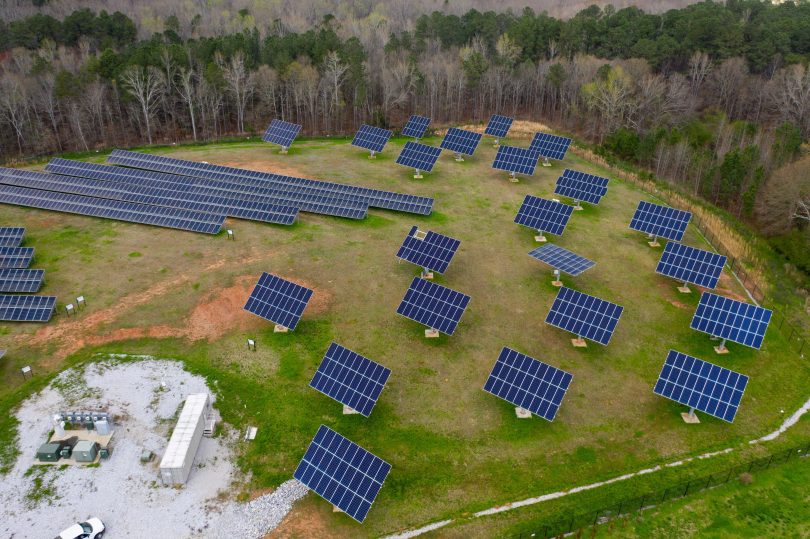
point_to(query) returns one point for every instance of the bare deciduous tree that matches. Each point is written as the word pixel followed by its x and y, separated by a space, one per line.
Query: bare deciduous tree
pixel 145 85
pixel 240 85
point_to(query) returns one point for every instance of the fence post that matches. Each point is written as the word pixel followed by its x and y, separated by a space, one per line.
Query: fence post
pixel 686 490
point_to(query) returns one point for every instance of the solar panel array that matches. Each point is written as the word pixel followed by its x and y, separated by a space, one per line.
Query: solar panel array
pixel 433 305
pixel 544 215
pixel 11 236
pixel 732 320
pixel 581 186
pixel 254 179
pixel 528 383
pixel 434 251
pixel 350 378
pixel 517 160
pixel 416 126
pixel 26 308
pixel 278 300
pixel 660 221
pixel 585 316
pixel 550 146
pixel 460 141
pixel 498 126
pixel 16 257
pixel 562 259
pixel 691 265
pixel 342 472
pixel 21 281
pixel 281 133
pixel 371 138
pixel 701 385
pixel 419 156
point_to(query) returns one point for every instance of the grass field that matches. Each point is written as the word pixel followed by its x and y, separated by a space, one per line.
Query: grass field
pixel 454 449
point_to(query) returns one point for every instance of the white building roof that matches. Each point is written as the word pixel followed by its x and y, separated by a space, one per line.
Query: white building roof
pixel 177 450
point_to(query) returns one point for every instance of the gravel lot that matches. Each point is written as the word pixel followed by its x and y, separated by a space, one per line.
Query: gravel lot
pixel 127 495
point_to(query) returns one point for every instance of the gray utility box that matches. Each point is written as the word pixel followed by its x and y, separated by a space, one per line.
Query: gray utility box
pixel 49 452
pixel 85 451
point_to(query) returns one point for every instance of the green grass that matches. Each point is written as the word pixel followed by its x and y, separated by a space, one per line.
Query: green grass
pixel 454 449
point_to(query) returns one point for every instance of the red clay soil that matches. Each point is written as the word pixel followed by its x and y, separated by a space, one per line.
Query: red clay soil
pixel 301 523
pixel 263 165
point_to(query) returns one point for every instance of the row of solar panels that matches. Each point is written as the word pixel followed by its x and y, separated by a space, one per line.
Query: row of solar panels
pixel 17 278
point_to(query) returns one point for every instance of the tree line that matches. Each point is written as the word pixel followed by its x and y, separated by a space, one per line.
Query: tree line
pixel 712 96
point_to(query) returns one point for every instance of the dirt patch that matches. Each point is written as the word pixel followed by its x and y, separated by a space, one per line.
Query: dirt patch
pixel 264 165
pixel 725 287
pixel 302 522
pixel 221 312
pixel 679 305
pixel 521 129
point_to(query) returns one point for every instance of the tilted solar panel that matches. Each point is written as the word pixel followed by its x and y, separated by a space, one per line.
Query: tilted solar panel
pixel 660 221
pixel 26 308
pixel 460 141
pixel 11 236
pixel 433 305
pixel 418 156
pixel 528 383
pixel 342 472
pixel 371 138
pixel 691 265
pixel 433 251
pixel 562 259
pixel 278 300
pixel 350 378
pixel 586 316
pixel 581 187
pixel 16 257
pixel 515 160
pixel 731 320
pixel 544 215
pixel 416 126
pixel 281 133
pixel 21 281
pixel 701 385
pixel 498 126
pixel 550 146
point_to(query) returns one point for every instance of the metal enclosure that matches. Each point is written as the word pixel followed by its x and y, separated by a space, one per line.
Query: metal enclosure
pixel 175 466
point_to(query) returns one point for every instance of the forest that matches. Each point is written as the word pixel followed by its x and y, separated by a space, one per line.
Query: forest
pixel 713 97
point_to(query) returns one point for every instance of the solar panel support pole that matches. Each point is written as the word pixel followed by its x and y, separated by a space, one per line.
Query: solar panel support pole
pixel 431 333
pixel 540 237
pixel 556 281
pixel 283 150
pixel 280 329
pixel 496 143
pixel 522 413
pixel 577 206
pixel 685 288
pixel 459 157
pixel 372 155
pixel 417 175
pixel 546 162
pixel 579 342
pixel 426 274
pixel 721 348
pixel 513 178
pixel 690 417
pixel 348 410
pixel 654 241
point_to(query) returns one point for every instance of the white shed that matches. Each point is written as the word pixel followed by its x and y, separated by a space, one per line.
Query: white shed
pixel 175 466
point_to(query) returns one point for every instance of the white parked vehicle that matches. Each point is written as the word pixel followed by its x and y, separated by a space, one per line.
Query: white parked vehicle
pixel 93 528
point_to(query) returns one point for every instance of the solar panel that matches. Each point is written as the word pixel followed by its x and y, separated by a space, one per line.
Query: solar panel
pixel 731 320
pixel 562 259
pixel 701 385
pixel 419 156
pixel 342 472
pixel 26 308
pixel 350 378
pixel 691 265
pixel 498 126
pixel 281 133
pixel 460 141
pixel 515 160
pixel 528 383
pixel 581 186
pixel 550 146
pixel 11 236
pixel 433 305
pixel 112 209
pixel 416 126
pixel 660 221
pixel 544 215
pixel 371 138
pixel 16 257
pixel 430 250
pixel 21 281
pixel 278 300
pixel 586 316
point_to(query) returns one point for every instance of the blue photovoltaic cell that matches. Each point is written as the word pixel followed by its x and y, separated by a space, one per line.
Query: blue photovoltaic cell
pixel 419 156
pixel 433 305
pixel 732 320
pixel 517 160
pixel 580 186
pixel 585 316
pixel 11 236
pixel 16 257
pixel 434 251
pixel 460 141
pixel 21 281
pixel 350 378
pixel 26 308
pixel 281 133
pixel 660 221
pixel 416 126
pixel 701 385
pixel 498 126
pixel 691 265
pixel 371 138
pixel 528 383
pixel 544 215
pixel 278 300
pixel 342 472
pixel 550 146
pixel 562 259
